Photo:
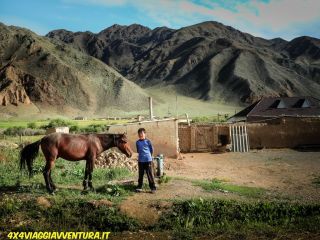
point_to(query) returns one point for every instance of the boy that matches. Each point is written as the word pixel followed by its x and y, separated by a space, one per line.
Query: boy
pixel 145 151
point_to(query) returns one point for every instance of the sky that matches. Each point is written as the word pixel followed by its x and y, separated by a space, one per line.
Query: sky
pixel 263 18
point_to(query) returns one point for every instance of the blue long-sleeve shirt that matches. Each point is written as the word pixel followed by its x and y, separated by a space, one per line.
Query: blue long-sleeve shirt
pixel 145 150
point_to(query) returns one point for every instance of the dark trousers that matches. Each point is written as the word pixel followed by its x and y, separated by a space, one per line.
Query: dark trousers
pixel 146 167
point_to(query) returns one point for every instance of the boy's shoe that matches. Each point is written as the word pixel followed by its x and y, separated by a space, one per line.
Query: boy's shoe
pixel 139 190
pixel 153 191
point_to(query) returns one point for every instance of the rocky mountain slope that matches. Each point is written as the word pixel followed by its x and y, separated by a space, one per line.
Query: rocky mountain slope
pixel 207 60
pixel 50 74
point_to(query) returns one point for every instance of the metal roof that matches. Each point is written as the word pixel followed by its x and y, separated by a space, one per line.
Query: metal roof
pixel 282 106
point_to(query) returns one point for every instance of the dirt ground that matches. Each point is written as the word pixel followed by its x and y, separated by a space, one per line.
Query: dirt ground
pixel 284 174
pixel 285 171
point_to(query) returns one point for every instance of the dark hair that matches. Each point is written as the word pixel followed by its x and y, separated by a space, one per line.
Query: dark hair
pixel 140 130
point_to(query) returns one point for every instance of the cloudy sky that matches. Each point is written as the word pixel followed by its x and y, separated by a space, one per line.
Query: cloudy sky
pixel 264 18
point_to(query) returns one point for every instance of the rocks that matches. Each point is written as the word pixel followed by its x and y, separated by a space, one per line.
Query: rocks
pixel 8 144
pixel 43 202
pixel 112 159
pixel 12 89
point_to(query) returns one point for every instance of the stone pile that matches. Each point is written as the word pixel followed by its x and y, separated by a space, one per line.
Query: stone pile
pixel 112 159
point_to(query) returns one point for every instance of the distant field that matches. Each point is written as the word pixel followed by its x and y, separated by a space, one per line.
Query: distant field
pixel 80 123
pixel 167 102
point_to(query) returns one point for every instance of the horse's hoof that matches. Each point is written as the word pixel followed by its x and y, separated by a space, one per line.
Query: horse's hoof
pixel 84 192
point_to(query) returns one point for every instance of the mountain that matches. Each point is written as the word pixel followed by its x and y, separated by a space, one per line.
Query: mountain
pixel 43 75
pixel 205 61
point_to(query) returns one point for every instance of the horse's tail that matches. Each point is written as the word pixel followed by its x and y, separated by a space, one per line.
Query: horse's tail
pixel 28 154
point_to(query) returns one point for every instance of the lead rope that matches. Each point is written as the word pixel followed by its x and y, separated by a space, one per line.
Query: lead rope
pixel 114 140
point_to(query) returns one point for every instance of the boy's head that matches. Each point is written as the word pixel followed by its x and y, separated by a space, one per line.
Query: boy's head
pixel 142 133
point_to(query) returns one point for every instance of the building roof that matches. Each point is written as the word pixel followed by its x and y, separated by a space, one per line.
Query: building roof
pixel 271 107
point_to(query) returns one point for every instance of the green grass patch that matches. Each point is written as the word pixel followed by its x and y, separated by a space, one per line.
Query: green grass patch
pixel 218 185
pixel 70 210
pixel 201 215
pixel 211 119
pixel 63 215
pixel 164 179
pixel 68 175
pixel 4 124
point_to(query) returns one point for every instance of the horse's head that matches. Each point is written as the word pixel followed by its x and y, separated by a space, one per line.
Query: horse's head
pixel 121 142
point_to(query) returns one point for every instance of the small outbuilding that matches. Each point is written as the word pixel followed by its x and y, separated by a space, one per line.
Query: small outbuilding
pixel 58 130
pixel 281 122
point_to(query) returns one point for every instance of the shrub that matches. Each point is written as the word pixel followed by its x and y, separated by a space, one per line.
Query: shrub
pixel 12 131
pixel 57 123
pixel 32 125
pixel 20 131
pixel 95 128
pixel 74 128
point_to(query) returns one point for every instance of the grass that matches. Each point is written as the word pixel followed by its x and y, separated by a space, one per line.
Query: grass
pixel 62 215
pixel 216 184
pixel 199 216
pixel 4 124
pixel 21 139
pixel 70 209
pixel 168 103
pixel 164 179
pixel 211 119
pixel 67 175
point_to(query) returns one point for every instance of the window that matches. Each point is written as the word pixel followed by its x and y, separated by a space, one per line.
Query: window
pixel 302 103
pixel 278 104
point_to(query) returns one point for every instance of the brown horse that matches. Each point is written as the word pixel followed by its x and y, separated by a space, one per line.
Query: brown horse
pixel 72 147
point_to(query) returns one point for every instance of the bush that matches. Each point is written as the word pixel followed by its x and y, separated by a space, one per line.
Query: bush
pixel 13 131
pixel 57 123
pixel 32 125
pixel 20 131
pixel 95 128
pixel 74 128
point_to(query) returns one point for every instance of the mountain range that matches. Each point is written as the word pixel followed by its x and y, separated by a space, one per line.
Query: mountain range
pixel 39 74
pixel 111 71
pixel 207 60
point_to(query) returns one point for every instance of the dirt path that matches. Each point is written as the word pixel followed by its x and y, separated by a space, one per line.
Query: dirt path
pixel 285 174
pixel 147 207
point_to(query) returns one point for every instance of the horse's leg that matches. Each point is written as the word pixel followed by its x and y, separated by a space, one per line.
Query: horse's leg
pixel 86 174
pixel 91 161
pixel 46 174
pixel 51 182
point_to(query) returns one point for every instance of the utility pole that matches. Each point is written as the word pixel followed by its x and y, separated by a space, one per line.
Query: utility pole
pixel 150 108
pixel 176 106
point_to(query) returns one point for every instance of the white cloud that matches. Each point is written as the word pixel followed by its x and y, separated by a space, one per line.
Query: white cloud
pixel 277 18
